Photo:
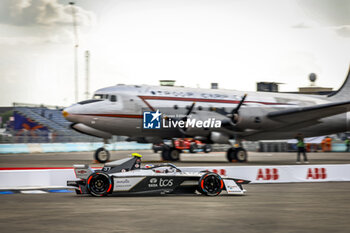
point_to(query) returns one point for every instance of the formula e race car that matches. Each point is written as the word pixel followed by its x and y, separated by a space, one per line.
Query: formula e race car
pixel 127 176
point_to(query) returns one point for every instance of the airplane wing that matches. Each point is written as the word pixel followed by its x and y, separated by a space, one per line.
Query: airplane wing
pixel 308 113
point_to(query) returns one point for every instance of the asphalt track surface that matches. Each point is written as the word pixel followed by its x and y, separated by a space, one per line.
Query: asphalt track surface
pixel 294 207
pixel 299 207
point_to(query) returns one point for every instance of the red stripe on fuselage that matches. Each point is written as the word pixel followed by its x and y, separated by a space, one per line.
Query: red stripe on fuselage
pixel 169 98
pixel 203 100
pixel 113 115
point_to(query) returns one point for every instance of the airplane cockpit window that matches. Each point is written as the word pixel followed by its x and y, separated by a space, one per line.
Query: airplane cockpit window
pixel 113 98
pixel 89 101
pixel 98 97
pixel 101 96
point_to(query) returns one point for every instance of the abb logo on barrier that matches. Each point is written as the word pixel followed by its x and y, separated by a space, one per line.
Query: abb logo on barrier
pixel 267 174
pixel 316 173
pixel 220 171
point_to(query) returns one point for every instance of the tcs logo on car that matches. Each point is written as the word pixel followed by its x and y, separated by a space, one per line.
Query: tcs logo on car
pixel 165 182
pixel 267 174
pixel 154 183
pixel 316 173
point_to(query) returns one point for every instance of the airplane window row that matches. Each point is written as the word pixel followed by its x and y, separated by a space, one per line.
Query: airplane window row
pixel 191 94
pixel 181 94
pixel 201 108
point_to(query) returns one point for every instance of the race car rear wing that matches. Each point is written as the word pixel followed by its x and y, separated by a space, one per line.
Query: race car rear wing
pixel 82 171
pixel 127 164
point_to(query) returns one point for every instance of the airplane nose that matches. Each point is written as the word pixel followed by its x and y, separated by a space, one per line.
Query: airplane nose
pixel 69 114
pixel 65 114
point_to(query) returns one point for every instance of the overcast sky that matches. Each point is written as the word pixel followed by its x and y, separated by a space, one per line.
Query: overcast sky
pixel 233 42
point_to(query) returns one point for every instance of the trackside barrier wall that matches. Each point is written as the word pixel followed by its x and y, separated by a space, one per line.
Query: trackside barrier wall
pixel 11 178
pixel 69 147
pixel 76 147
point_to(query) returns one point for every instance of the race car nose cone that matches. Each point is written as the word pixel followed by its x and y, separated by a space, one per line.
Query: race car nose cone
pixel 65 114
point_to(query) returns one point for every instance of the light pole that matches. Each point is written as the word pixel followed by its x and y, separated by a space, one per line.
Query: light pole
pixel 87 73
pixel 76 46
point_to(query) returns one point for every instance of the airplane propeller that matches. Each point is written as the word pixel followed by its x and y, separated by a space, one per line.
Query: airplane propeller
pixel 189 111
pixel 235 111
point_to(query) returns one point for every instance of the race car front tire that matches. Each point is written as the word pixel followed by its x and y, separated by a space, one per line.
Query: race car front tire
pixel 210 184
pixel 99 184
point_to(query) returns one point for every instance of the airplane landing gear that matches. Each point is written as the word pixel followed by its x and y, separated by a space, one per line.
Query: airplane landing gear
pixel 102 155
pixel 238 154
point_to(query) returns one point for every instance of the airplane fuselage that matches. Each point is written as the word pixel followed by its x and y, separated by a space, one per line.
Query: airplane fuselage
pixel 124 116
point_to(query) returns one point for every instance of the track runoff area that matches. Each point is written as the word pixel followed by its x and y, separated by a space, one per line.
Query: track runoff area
pixel 310 206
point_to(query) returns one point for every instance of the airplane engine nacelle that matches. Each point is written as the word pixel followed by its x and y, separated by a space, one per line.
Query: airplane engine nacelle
pixel 253 119
pixel 220 138
pixel 84 129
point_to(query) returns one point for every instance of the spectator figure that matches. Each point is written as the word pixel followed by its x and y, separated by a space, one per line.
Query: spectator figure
pixel 50 136
pixel 347 144
pixel 301 148
pixel 328 144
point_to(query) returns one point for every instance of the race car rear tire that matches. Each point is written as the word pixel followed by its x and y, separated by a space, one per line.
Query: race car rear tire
pixel 99 184
pixel 102 155
pixel 210 184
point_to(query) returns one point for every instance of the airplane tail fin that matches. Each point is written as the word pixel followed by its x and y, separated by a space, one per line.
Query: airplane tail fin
pixel 344 91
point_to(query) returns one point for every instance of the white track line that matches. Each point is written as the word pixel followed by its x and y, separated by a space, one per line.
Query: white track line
pixel 33 192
